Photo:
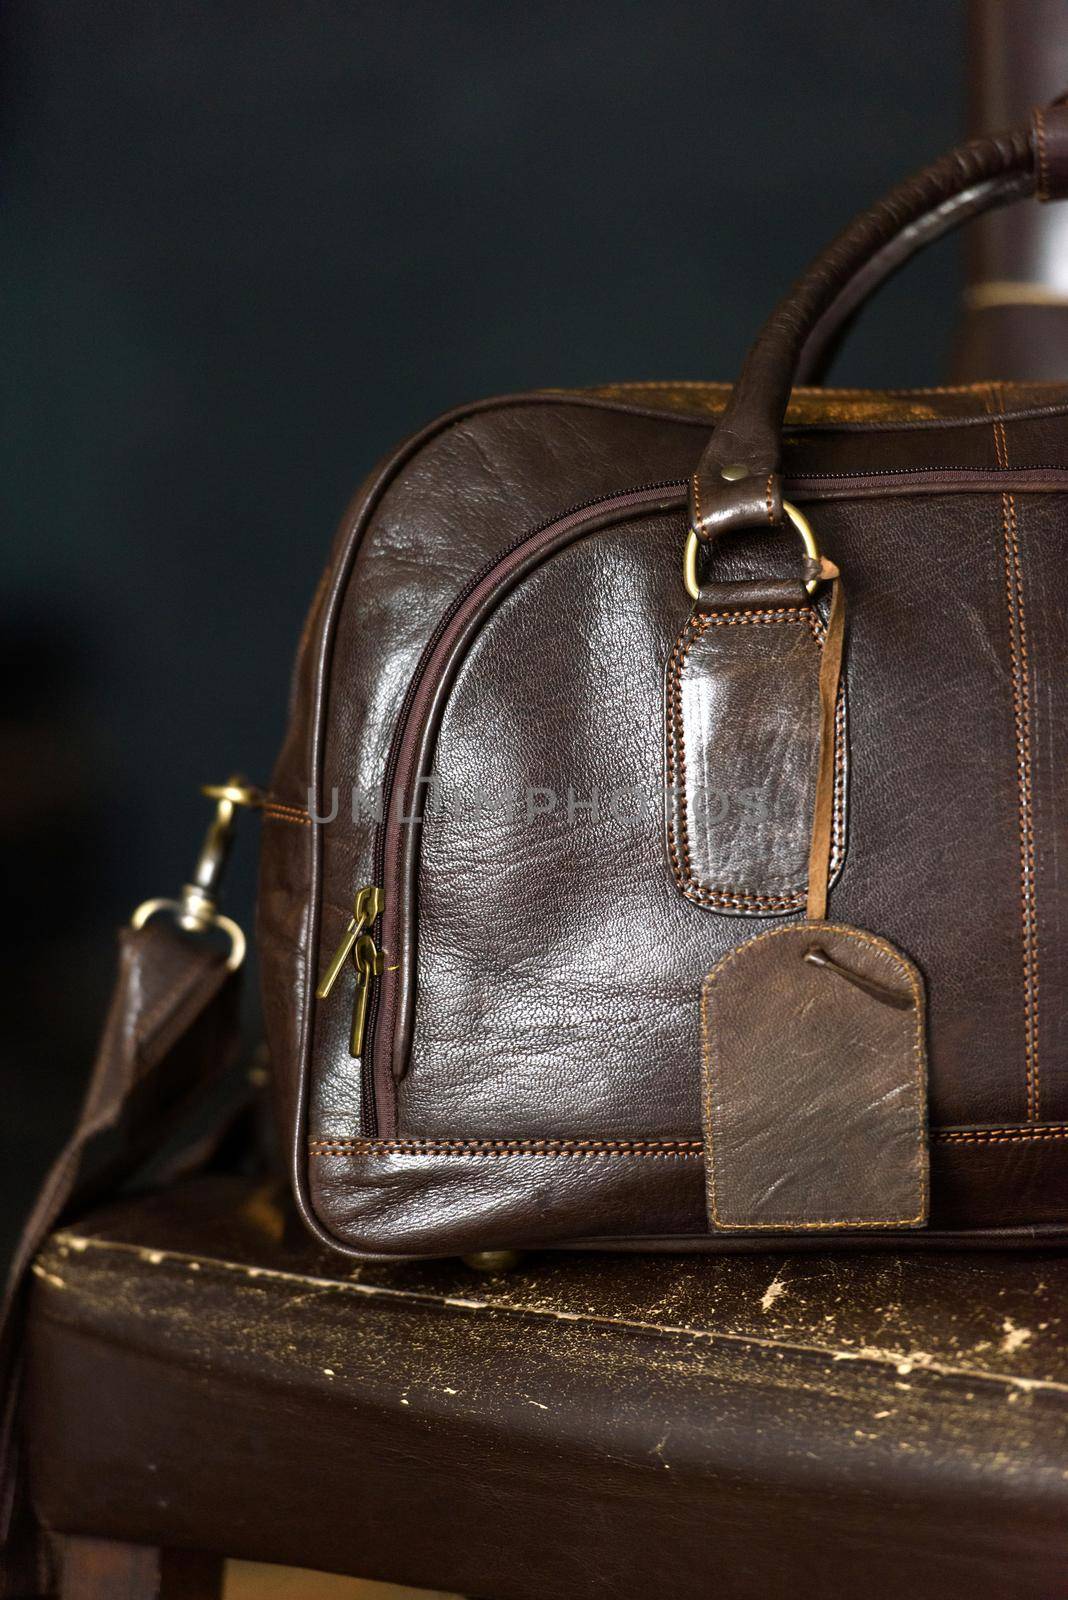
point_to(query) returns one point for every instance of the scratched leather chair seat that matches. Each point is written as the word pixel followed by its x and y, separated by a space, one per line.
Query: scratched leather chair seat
pixel 202 1376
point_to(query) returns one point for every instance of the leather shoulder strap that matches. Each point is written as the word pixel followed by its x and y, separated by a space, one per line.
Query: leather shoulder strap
pixel 171 1027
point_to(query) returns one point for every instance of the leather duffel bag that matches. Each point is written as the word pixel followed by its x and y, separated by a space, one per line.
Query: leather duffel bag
pixel 665 851
pixel 666 848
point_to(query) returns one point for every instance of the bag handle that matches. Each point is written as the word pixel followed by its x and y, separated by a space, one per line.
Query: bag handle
pixel 738 479
pixel 825 340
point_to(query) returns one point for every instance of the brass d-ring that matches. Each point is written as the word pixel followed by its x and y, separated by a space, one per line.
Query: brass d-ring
pixel 800 522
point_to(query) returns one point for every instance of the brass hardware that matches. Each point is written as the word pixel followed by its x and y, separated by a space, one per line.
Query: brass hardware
pixel 366 909
pixel 734 472
pixel 800 522
pixel 196 909
pixel 493 1260
pixel 816 956
pixel 369 962
pixel 367 958
pixel 1011 292
pixel 689 566
pixel 236 791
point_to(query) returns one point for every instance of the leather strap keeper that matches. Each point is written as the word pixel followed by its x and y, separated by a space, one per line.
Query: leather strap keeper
pixel 1049 125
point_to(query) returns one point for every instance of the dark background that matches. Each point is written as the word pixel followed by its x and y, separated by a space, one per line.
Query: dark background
pixel 249 246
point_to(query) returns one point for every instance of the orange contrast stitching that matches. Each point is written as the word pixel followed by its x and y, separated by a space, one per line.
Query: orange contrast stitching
pixel 1021 708
pixel 1043 162
pixel 642 1148
pixel 1025 1136
pixel 279 812
pixel 819 391
pixel 645 1148
pixel 677 832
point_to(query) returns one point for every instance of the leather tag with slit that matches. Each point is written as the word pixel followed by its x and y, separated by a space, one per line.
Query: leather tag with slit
pixel 814 1083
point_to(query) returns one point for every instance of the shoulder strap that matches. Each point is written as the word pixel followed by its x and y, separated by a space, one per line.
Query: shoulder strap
pixel 172 1027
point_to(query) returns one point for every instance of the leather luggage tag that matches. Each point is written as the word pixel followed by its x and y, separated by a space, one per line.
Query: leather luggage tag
pixel 814 1083
pixel 813 1053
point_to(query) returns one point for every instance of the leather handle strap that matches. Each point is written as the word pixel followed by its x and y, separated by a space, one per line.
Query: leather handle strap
pixel 827 336
pixel 738 479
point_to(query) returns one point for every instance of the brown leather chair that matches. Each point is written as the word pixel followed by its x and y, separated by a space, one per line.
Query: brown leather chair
pixel 203 1378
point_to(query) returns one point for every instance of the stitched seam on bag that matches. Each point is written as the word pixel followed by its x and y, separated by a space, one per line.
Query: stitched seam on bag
pixel 1043 162
pixel 648 1149
pixel 1021 707
pixel 281 812
pixel 818 391
pixel 886 954
pixel 1021 710
pixel 789 899
pixel 685 876
pixel 1015 1130
pixel 345 1146
pixel 1035 1136
pixel 767 499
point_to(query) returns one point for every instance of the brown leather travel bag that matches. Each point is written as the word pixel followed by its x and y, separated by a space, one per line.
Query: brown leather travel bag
pixel 666 848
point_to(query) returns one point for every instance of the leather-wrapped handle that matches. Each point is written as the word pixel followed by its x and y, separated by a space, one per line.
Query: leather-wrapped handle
pixel 738 479
pixel 826 337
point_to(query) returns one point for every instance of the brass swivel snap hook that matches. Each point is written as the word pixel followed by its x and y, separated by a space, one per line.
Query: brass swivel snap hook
pixel 196 909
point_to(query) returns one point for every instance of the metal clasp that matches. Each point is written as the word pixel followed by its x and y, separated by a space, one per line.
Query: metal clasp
pixel 800 522
pixel 196 909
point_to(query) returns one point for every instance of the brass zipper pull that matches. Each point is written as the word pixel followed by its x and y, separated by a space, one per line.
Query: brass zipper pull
pixel 369 962
pixel 366 909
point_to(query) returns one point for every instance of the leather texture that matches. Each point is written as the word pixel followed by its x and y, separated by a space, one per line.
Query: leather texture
pixel 540 972
pixel 814 1083
pixel 477 725
pixel 202 1375
pixel 743 729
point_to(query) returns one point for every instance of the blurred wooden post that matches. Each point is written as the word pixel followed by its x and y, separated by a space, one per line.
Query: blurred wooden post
pixel 1015 321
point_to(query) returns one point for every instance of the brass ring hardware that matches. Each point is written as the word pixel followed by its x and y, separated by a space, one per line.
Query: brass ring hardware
pixel 800 522
pixel 236 791
pixel 195 917
pixel 196 908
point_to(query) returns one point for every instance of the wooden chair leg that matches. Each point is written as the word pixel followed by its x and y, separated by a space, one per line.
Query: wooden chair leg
pixel 102 1569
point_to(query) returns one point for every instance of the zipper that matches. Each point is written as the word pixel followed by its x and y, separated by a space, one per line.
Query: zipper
pixel 378 1069
pixel 378 1008
pixel 368 960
